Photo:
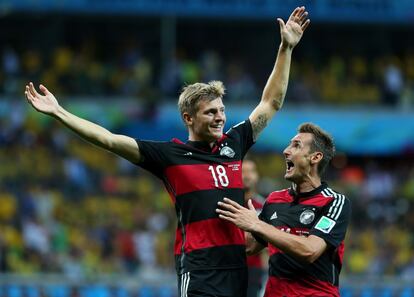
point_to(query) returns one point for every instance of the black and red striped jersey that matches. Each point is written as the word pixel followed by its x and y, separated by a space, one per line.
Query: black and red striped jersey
pixel 321 212
pixel 197 176
pixel 255 261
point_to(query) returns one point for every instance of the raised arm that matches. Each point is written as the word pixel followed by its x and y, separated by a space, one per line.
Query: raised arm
pixel 121 145
pixel 276 86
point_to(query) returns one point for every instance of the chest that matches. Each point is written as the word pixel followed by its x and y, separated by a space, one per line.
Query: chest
pixel 191 169
pixel 291 215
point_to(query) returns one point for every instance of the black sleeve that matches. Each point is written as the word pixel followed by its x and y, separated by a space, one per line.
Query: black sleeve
pixel 333 223
pixel 154 155
pixel 242 133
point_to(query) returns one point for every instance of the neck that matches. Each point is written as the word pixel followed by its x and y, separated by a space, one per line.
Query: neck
pixel 309 184
pixel 191 137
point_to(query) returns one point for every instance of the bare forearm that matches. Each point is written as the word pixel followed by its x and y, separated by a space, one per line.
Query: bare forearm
pixel 121 145
pixel 293 245
pixel 277 83
pixel 85 129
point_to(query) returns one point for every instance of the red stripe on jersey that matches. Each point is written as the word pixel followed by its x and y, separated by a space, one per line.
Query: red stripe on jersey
pixel 316 201
pixel 273 250
pixel 294 231
pixel 208 233
pixel 341 250
pixel 255 261
pixel 282 196
pixel 299 287
pixel 178 241
pixel 197 177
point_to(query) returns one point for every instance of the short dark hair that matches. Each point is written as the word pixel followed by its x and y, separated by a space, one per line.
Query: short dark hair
pixel 322 142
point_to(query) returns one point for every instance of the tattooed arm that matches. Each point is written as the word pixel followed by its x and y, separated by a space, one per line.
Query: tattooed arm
pixel 276 86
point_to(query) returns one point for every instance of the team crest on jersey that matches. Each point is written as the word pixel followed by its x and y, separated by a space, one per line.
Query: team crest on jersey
pixel 307 217
pixel 227 151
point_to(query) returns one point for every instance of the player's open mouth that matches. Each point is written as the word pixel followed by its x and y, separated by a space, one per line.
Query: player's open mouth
pixel 289 165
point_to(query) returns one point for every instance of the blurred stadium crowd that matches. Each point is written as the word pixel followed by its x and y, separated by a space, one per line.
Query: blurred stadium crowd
pixel 379 71
pixel 70 208
pixel 338 80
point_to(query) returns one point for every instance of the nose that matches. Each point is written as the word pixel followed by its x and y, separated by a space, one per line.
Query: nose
pixel 286 152
pixel 220 116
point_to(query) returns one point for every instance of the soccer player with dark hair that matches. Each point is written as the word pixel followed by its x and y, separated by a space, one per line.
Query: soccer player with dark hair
pixel 304 226
pixel 209 252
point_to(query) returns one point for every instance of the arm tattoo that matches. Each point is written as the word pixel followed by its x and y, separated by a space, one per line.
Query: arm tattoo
pixel 258 125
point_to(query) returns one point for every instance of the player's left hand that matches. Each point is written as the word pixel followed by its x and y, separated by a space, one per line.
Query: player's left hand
pixel 292 31
pixel 240 216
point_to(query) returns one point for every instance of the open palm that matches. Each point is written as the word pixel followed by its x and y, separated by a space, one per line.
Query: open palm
pixel 46 103
pixel 292 31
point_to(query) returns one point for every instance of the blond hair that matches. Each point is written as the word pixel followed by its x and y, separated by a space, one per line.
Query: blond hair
pixel 191 95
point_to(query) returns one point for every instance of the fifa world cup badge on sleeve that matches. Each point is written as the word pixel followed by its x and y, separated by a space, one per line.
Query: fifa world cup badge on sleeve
pixel 325 224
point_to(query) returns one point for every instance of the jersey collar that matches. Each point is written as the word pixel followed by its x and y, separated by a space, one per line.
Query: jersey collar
pixel 200 145
pixel 315 191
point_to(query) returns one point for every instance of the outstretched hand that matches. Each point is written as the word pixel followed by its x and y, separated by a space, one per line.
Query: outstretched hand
pixel 292 31
pixel 244 218
pixel 46 103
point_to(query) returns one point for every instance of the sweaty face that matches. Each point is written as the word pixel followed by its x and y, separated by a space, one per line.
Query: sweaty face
pixel 297 155
pixel 208 122
pixel 250 175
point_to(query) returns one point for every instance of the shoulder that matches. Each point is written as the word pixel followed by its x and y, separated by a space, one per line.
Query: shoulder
pixel 334 195
pixel 239 127
pixel 339 204
pixel 281 196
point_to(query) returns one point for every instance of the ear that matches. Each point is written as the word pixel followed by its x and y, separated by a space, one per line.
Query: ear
pixel 188 119
pixel 316 157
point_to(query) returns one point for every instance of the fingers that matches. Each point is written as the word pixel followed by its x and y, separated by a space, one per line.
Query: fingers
pixel 233 203
pixel 281 24
pixel 250 205
pixel 299 15
pixel 303 17
pixel 225 213
pixel 44 90
pixel 305 25
pixel 32 90
pixel 29 95
pixel 227 206
pixel 296 11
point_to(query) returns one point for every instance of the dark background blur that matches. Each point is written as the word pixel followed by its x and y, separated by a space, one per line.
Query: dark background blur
pixel 95 225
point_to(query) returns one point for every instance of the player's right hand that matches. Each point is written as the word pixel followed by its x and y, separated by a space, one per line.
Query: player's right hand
pixel 46 103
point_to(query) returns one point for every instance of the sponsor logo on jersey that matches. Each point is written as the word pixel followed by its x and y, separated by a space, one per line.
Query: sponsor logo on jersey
pixel 274 216
pixel 325 224
pixel 307 217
